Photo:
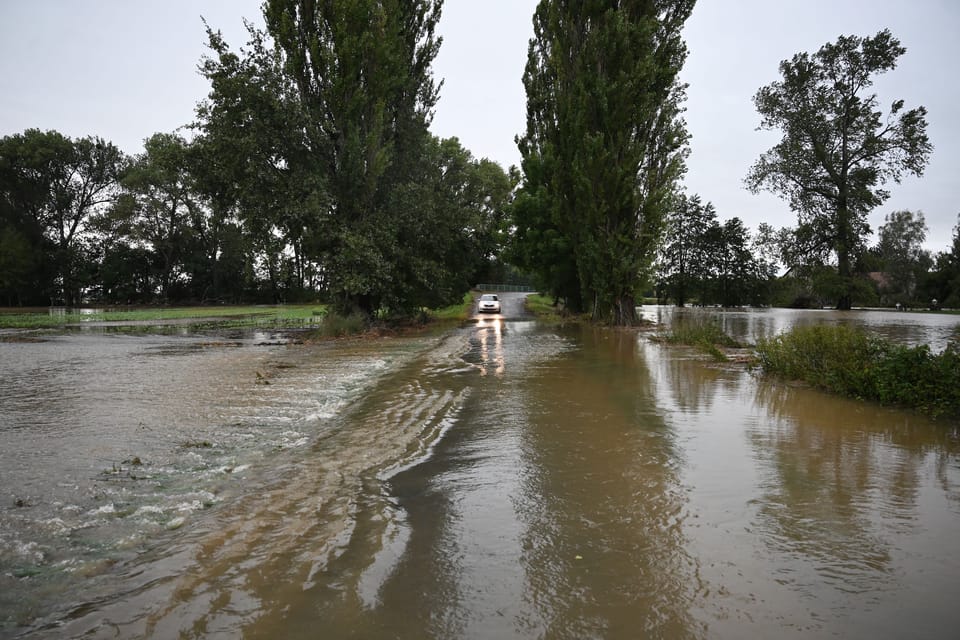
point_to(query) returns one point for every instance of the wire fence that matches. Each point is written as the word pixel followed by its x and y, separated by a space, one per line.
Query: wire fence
pixel 506 288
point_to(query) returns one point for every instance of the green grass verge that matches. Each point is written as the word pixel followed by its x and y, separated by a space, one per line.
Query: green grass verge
pixel 543 308
pixel 230 316
pixel 850 362
pixel 458 312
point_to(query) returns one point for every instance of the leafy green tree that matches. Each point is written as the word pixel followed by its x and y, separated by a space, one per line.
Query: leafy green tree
pixel 17 265
pixel 362 71
pixel 604 143
pixel 942 283
pixel 838 149
pixel 468 199
pixel 57 184
pixel 684 253
pixel 127 273
pixel 733 275
pixel 255 169
pixel 713 262
pixel 538 245
pixel 158 204
pixel 902 255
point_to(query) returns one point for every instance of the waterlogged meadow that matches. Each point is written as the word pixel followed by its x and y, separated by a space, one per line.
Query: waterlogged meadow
pixel 220 316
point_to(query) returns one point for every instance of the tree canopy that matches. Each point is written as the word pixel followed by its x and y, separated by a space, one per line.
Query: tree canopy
pixel 310 173
pixel 838 149
pixel 603 148
pixel 362 72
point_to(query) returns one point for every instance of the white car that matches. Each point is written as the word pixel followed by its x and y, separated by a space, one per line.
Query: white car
pixel 489 303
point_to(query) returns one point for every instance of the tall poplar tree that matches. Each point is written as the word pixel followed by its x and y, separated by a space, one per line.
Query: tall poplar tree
pixel 363 72
pixel 605 142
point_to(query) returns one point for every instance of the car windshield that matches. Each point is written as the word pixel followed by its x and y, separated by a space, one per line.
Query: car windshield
pixel 488 297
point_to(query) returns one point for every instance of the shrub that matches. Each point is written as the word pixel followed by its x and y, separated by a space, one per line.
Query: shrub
pixel 707 336
pixel 335 325
pixel 850 362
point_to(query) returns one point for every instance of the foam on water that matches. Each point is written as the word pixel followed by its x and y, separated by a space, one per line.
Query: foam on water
pixel 112 444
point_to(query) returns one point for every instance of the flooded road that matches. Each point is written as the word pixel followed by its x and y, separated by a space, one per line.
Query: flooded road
pixel 503 480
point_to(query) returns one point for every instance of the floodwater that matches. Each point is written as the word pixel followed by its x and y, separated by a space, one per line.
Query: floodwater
pixel 502 480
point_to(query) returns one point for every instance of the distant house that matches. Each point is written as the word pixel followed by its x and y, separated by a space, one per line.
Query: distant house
pixel 881 279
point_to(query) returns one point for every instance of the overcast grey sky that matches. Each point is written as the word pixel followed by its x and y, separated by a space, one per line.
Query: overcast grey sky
pixel 125 69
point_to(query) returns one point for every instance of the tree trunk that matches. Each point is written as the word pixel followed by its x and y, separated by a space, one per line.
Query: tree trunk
pixel 845 300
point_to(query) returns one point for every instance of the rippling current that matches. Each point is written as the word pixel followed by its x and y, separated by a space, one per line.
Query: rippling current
pixel 504 479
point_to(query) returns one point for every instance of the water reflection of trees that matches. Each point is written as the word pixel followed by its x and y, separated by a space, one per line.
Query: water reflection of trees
pixel 687 380
pixel 840 479
pixel 601 502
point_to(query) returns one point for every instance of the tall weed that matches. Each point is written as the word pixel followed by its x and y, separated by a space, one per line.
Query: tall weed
pixel 707 336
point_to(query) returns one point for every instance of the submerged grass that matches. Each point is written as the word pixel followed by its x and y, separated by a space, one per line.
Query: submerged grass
pixel 706 335
pixel 850 362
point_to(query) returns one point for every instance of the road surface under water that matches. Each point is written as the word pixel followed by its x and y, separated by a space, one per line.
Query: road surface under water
pixel 503 480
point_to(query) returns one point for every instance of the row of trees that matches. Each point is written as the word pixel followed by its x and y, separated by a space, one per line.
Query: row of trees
pixel 711 263
pixel 605 145
pixel 603 149
pixel 310 171
pixel 705 261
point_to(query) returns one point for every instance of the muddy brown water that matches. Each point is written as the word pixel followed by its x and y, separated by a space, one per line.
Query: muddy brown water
pixel 501 480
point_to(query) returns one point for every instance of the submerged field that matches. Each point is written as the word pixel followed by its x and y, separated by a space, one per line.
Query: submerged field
pixel 226 316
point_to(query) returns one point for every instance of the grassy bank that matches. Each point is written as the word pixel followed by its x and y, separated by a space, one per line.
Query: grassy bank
pixel 852 363
pixel 454 313
pixel 543 308
pixel 337 326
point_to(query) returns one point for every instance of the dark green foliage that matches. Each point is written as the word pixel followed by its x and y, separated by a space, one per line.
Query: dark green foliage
pixel 939 286
pixel 685 251
pixel 709 262
pixel 850 362
pixel 901 256
pixel 603 148
pixel 18 266
pixel 335 325
pixel 540 246
pixel 254 165
pixel 838 149
pixel 361 69
pixel 50 187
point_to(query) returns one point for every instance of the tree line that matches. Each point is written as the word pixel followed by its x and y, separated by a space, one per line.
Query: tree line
pixel 310 172
pixel 708 262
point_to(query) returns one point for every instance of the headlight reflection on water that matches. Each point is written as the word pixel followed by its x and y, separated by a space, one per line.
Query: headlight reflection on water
pixel 490 334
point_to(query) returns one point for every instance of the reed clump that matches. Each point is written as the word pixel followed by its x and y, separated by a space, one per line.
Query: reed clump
pixel 705 335
pixel 850 362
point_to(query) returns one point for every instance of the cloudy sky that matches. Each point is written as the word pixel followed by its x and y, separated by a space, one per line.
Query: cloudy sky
pixel 124 70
